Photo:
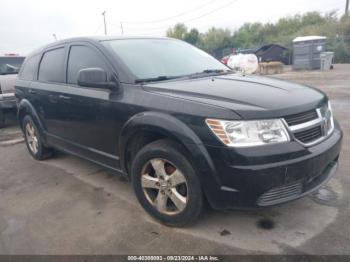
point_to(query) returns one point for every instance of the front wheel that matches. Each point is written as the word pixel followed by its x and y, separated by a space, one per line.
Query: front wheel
pixel 166 184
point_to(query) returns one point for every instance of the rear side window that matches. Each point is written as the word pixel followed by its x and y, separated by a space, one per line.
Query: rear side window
pixel 52 66
pixel 29 68
pixel 81 57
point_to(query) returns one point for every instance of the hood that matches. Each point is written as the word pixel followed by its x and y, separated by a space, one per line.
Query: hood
pixel 249 96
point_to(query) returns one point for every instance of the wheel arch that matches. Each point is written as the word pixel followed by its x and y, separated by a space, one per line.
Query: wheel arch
pixel 26 108
pixel 162 126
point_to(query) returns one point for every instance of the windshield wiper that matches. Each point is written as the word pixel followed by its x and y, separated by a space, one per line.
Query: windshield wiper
pixel 155 79
pixel 210 72
pixel 206 72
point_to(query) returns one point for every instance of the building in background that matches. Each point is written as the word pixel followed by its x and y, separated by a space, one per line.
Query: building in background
pixel 269 53
pixel 307 51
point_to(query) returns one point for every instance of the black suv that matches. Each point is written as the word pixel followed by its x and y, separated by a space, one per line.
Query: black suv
pixel 183 126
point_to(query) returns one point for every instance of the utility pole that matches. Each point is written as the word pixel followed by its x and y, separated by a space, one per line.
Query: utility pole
pixel 121 27
pixel 104 21
pixel 347 7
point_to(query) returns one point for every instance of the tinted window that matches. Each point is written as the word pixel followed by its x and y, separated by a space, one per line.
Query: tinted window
pixel 29 68
pixel 10 65
pixel 52 66
pixel 81 57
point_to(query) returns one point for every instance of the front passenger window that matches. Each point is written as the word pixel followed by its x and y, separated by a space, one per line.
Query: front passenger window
pixel 81 57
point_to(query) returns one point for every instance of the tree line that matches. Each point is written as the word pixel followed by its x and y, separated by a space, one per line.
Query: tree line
pixel 220 42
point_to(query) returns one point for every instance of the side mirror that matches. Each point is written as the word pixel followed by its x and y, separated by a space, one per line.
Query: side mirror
pixel 94 77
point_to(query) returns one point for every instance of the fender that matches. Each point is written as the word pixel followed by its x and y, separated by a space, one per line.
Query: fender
pixel 26 107
pixel 176 129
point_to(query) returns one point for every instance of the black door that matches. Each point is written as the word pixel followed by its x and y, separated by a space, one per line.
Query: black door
pixel 87 115
pixel 50 80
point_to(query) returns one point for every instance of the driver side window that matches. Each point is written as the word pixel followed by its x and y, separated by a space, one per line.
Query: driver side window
pixel 81 57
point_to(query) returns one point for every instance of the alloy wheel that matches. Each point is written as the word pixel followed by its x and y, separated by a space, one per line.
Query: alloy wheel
pixel 32 138
pixel 164 186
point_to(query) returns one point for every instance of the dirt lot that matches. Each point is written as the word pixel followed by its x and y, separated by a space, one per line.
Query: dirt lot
pixel 69 206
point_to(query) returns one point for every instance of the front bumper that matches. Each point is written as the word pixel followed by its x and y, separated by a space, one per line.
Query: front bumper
pixel 8 101
pixel 270 175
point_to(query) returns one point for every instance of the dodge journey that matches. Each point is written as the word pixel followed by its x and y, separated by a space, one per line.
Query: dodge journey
pixel 182 126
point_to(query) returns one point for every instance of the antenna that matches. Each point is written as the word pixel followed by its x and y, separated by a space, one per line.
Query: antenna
pixel 121 27
pixel 104 21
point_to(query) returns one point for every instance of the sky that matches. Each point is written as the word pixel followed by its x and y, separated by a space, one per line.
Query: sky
pixel 26 25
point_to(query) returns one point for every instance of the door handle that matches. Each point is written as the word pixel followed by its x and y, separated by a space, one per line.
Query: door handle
pixel 64 97
pixel 31 91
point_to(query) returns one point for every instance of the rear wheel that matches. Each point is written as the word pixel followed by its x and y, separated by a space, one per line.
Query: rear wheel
pixel 166 185
pixel 33 140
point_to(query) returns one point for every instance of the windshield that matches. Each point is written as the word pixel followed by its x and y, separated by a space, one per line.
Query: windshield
pixel 152 58
pixel 10 65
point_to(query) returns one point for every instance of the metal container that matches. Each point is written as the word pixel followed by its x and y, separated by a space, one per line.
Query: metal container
pixel 307 51
pixel 326 60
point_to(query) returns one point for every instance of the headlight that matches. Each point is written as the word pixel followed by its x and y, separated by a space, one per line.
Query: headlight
pixel 327 115
pixel 249 133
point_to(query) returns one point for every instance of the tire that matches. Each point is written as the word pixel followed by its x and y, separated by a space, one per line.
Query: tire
pixel 33 140
pixel 179 183
pixel 2 119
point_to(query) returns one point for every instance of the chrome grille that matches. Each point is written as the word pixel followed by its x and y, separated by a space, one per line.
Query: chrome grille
pixel 281 194
pixel 301 118
pixel 317 125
